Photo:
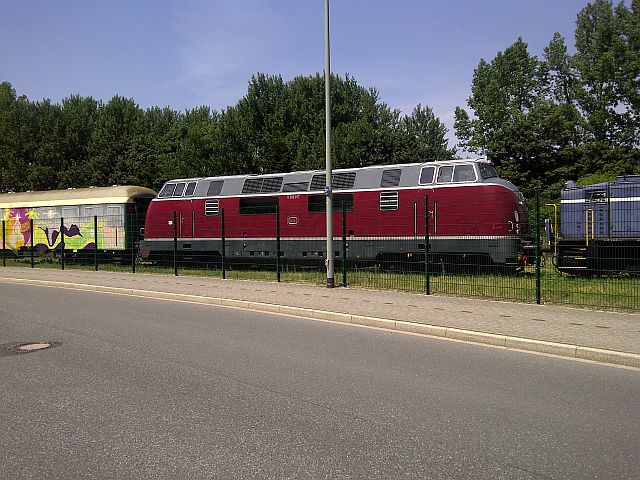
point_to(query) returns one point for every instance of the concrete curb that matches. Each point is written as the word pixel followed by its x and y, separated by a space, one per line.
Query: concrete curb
pixel 505 341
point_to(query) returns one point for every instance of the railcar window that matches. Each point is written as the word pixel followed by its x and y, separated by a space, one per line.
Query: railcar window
pixel 191 187
pixel 257 206
pixel 487 170
pixel 318 203
pixel 93 211
pixel 71 213
pixel 167 190
pixel 179 189
pixel 445 173
pixel 114 216
pixel 464 173
pixel 215 187
pixel 426 175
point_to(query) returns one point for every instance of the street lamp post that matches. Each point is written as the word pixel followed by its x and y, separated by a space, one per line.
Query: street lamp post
pixel 328 188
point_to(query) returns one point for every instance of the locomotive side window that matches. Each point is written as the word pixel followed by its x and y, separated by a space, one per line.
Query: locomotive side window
pixel 445 174
pixel 215 187
pixel 191 187
pixel 426 175
pixel 388 201
pixel 391 178
pixel 596 196
pixel 464 173
pixel 258 206
pixel 167 190
pixel 211 208
pixel 318 203
pixel 179 189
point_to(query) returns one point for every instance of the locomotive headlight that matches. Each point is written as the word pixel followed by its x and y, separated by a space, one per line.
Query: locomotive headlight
pixel 516 215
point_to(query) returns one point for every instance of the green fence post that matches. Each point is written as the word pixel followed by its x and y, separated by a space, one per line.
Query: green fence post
pixel 95 241
pixel 133 230
pixel 4 257
pixel 344 244
pixel 538 292
pixel 427 254
pixel 62 242
pixel 278 242
pixel 224 250
pixel 175 244
pixel 31 235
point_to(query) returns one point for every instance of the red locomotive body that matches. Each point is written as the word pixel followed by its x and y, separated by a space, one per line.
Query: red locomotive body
pixel 474 216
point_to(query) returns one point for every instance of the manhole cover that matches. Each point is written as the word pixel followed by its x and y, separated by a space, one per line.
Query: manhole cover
pixel 32 346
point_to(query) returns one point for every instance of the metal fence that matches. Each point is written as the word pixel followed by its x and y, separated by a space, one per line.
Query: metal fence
pixel 435 249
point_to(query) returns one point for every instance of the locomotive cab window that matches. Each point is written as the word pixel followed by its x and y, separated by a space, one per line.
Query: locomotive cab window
pixel 318 203
pixel 167 190
pixel 179 189
pixel 445 174
pixel 258 206
pixel 191 187
pixel 426 175
pixel 464 173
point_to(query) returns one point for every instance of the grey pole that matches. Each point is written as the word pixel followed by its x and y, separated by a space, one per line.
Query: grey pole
pixel 327 102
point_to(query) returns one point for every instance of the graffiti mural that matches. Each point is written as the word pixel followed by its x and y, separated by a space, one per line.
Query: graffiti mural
pixel 78 231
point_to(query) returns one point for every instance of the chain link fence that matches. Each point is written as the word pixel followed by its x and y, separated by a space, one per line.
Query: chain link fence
pixel 586 253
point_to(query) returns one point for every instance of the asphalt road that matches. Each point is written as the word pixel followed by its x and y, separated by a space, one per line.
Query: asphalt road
pixel 144 388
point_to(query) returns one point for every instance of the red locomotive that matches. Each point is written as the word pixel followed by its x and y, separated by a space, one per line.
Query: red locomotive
pixel 474 217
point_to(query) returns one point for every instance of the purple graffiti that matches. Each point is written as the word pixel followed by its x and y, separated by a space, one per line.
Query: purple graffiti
pixel 72 231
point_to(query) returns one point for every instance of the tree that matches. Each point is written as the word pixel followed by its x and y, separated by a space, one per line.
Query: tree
pixel 79 116
pixel 508 103
pixel 425 136
pixel 119 121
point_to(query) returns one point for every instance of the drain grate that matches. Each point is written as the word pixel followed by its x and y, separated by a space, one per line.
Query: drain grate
pixel 29 347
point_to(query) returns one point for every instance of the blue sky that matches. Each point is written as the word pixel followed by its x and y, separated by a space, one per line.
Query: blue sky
pixel 188 53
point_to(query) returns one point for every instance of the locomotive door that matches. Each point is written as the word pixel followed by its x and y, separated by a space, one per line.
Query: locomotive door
pixel 187 220
pixel 596 213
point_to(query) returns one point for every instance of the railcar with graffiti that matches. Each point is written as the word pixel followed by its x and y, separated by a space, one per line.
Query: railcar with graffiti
pixel 81 220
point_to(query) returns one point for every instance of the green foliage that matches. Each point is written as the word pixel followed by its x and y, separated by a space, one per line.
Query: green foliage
pixel 543 122
pixel 277 126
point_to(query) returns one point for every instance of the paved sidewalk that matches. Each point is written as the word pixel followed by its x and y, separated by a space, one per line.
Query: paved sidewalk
pixel 607 331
